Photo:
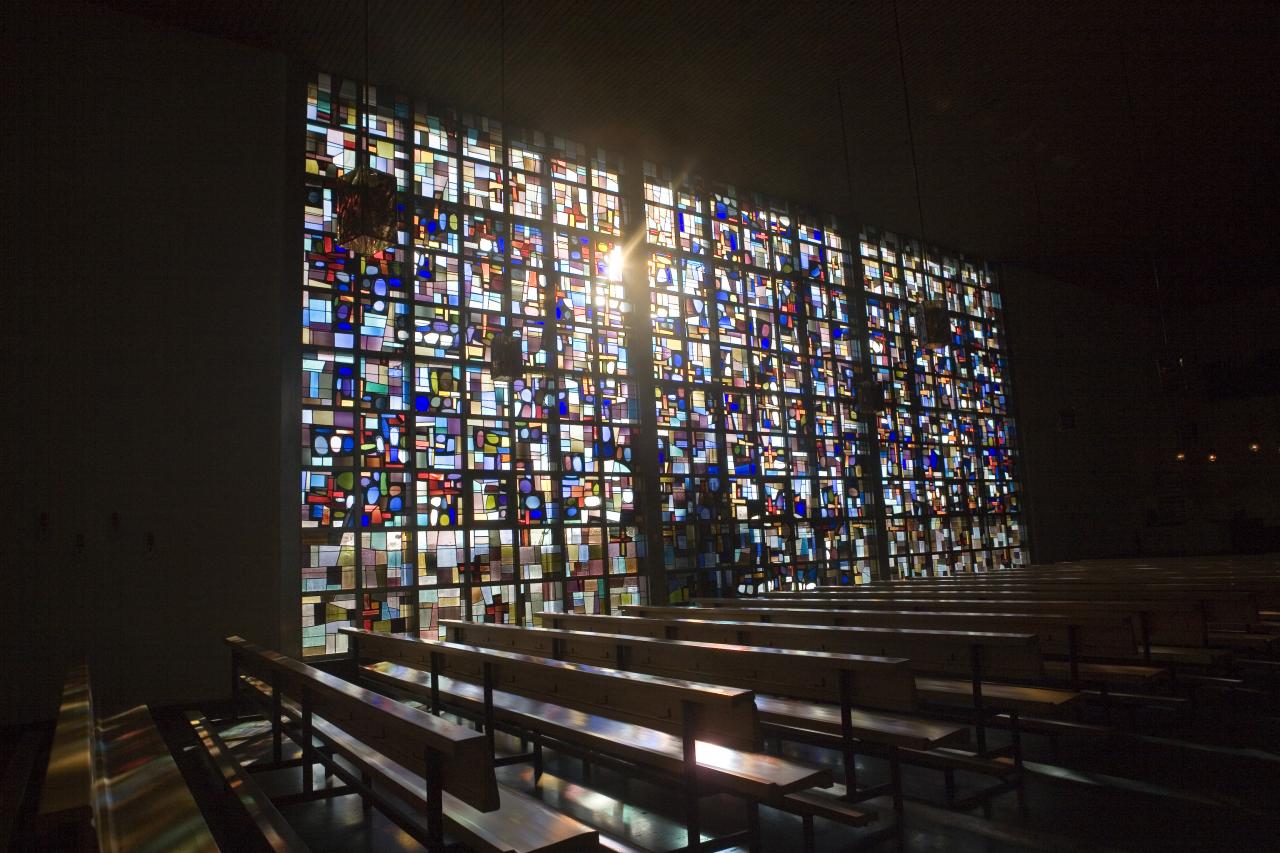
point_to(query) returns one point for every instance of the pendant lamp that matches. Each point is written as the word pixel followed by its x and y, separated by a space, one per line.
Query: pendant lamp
pixel 365 208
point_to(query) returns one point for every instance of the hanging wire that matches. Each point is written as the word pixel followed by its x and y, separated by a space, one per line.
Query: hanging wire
pixel 844 135
pixel 1144 190
pixel 911 137
pixel 1041 240
pixel 502 68
pixel 362 115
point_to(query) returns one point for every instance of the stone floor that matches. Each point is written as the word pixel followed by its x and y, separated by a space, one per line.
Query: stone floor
pixel 1165 792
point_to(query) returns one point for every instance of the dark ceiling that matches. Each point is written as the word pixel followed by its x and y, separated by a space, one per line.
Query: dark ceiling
pixel 1028 148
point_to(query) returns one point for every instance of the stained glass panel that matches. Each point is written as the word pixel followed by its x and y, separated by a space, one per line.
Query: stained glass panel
pixel 947 454
pixel 431 489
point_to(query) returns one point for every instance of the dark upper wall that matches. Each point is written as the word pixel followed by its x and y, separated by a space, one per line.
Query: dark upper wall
pixel 1112 485
pixel 1073 347
pixel 143 201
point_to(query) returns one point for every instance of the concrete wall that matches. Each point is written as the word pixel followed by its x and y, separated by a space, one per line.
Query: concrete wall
pixel 1112 485
pixel 144 271
pixel 1092 351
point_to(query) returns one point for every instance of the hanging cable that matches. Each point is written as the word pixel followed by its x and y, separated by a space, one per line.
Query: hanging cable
pixel 844 135
pixel 502 67
pixel 1144 191
pixel 911 137
pixel 362 116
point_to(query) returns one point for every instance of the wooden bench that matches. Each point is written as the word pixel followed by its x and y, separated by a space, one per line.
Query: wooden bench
pixel 1170 621
pixel 271 827
pixel 851 684
pixel 442 770
pixel 707 736
pixel 1076 637
pixel 1164 621
pixel 1169 615
pixel 66 798
pixel 1219 605
pixel 973 655
pixel 113 785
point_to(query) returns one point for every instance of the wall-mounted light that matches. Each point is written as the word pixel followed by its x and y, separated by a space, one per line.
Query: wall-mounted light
pixel 1180 456
pixel 1254 447
pixel 1213 457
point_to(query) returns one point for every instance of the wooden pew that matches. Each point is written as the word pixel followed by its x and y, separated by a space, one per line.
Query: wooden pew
pixel 850 683
pixel 1104 637
pixel 1230 618
pixel 235 781
pixel 66 797
pixel 1169 631
pixel 1181 622
pixel 973 655
pixel 1163 621
pixel 707 736
pixel 1220 606
pixel 436 766
pixel 112 784
pixel 1076 636
pixel 144 803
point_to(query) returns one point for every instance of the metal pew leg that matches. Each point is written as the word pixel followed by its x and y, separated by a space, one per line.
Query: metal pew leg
pixel 435 804
pixel 899 807
pixel 809 841
pixel 753 826
pixel 689 726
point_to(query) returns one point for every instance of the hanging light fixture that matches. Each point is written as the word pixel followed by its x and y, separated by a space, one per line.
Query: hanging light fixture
pixel 933 326
pixel 365 209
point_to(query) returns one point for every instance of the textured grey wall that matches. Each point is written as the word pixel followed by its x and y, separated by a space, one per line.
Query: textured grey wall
pixel 143 200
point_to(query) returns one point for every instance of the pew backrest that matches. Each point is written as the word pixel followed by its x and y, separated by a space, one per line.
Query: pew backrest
pixel 725 715
pixel 1170 622
pixel 409 736
pixel 1219 602
pixel 1092 636
pixel 68 783
pixel 1005 656
pixel 884 683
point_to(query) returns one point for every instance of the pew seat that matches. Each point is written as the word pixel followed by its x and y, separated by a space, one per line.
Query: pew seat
pixel 1129 675
pixel 869 726
pixel 236 781
pixel 955 692
pixel 1242 640
pixel 1190 656
pixel 761 777
pixel 520 824
pixel 112 784
pixel 703 736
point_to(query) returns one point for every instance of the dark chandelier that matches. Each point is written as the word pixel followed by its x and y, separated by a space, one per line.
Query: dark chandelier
pixel 366 199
